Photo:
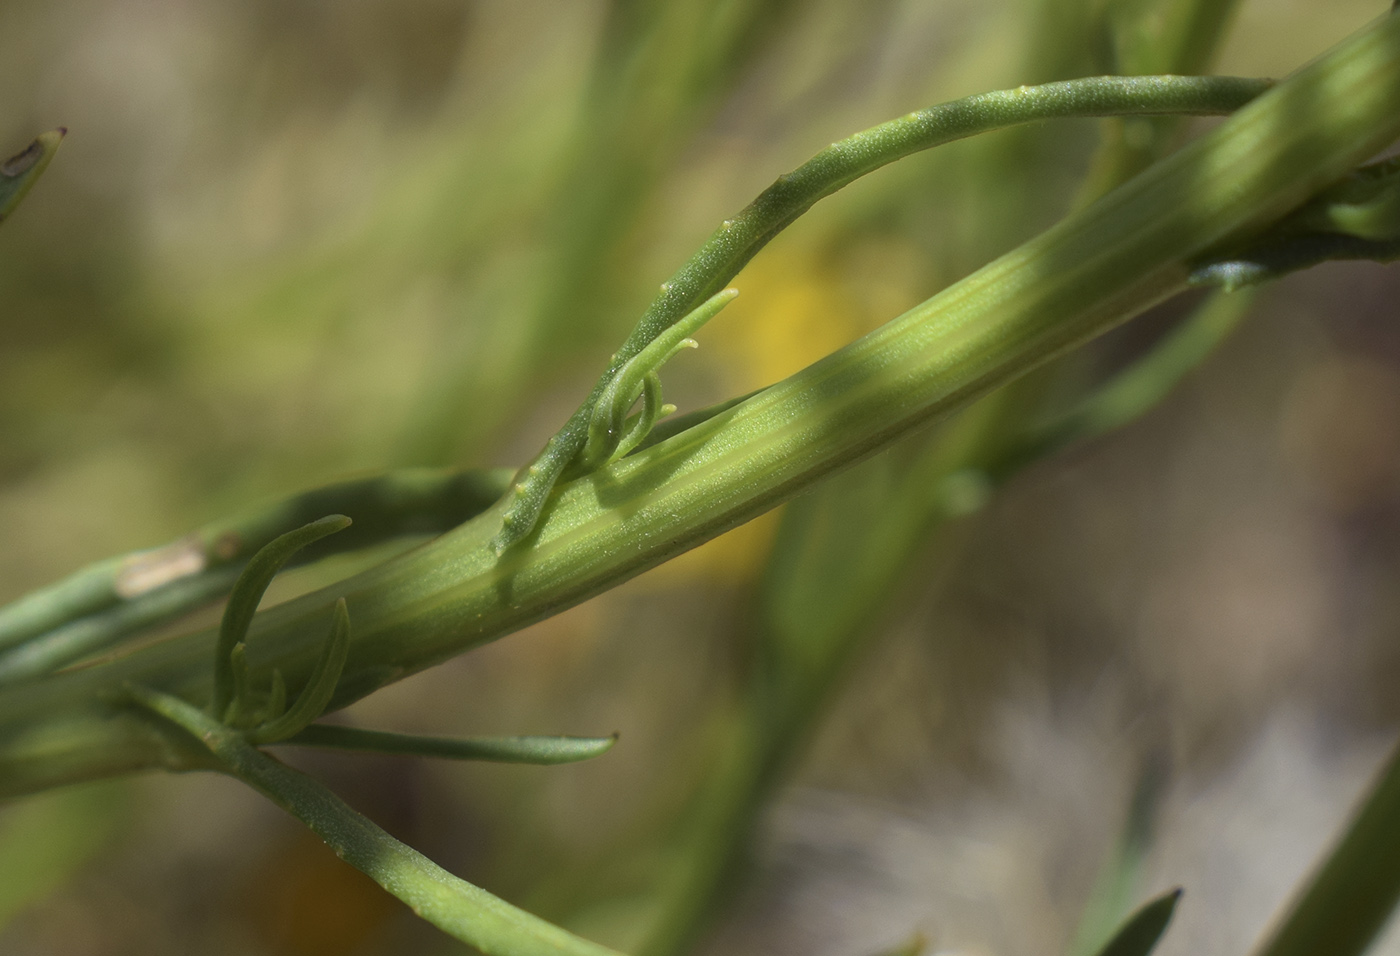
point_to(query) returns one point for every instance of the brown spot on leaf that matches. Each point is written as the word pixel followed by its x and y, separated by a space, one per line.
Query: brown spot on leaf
pixel 227 546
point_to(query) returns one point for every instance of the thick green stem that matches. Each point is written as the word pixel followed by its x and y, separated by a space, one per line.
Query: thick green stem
pixel 1087 274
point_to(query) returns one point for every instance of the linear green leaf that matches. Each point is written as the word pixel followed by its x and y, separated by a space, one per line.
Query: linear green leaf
pixel 1355 889
pixel 19 173
pixel 530 749
pixel 1115 886
pixel 248 591
pixel 320 686
pixel 455 906
pixel 605 430
pixel 1139 935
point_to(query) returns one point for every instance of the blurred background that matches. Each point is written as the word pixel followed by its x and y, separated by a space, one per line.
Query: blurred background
pixel 993 697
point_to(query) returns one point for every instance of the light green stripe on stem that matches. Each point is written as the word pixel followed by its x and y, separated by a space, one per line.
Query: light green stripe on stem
pixel 1087 274
pixel 453 905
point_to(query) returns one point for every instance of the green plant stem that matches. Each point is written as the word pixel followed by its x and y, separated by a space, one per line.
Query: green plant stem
pixel 112 599
pixel 544 751
pixel 739 239
pixel 1085 275
pixel 453 905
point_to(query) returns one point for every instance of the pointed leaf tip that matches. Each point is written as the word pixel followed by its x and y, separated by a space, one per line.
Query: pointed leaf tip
pixel 1140 934
pixel 18 173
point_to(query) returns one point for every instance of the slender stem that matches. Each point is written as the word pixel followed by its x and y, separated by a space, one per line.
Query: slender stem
pixel 739 239
pixel 453 905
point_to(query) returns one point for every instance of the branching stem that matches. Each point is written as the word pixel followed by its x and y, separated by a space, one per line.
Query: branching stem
pixel 453 905
pixel 738 239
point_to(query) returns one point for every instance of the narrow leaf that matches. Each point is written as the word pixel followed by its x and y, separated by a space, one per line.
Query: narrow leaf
pixel 458 908
pixel 1355 889
pixel 1139 935
pixel 533 750
pixel 1116 887
pixel 236 713
pixel 606 426
pixel 320 687
pixel 19 173
pixel 248 592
